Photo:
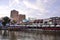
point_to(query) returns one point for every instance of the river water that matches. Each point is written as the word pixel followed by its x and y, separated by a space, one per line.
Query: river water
pixel 30 35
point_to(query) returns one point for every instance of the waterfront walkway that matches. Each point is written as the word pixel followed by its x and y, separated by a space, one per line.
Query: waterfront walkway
pixel 21 28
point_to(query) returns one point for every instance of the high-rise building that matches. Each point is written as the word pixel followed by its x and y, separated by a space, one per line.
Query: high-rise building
pixel 17 17
pixel 21 17
pixel 14 15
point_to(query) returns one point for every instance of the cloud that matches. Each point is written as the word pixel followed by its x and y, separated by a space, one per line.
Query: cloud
pixel 29 5
pixel 28 8
pixel 33 8
pixel 39 8
pixel 17 1
pixel 4 11
pixel 13 2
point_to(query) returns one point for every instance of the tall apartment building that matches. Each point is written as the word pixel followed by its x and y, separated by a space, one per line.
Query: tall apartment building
pixel 21 17
pixel 16 16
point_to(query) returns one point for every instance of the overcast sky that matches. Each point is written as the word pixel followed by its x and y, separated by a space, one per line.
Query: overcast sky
pixel 31 8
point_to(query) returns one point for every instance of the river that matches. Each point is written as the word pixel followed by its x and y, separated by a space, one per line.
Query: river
pixel 30 35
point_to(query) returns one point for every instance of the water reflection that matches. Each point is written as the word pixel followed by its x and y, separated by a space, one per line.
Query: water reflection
pixel 13 36
pixel 29 35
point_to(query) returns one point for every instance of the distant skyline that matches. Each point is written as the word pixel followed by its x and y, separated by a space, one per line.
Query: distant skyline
pixel 31 8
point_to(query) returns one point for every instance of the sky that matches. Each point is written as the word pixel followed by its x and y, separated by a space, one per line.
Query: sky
pixel 31 8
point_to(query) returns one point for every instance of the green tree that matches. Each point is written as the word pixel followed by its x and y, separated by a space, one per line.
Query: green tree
pixel 14 22
pixel 5 20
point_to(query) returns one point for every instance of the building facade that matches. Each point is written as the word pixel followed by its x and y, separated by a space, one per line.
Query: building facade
pixel 17 17
pixel 21 18
pixel 14 15
pixel 55 20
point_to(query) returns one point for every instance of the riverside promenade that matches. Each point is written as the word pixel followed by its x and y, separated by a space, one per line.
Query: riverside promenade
pixel 32 28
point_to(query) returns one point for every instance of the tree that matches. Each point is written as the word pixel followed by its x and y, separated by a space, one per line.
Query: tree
pixel 14 22
pixel 5 21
